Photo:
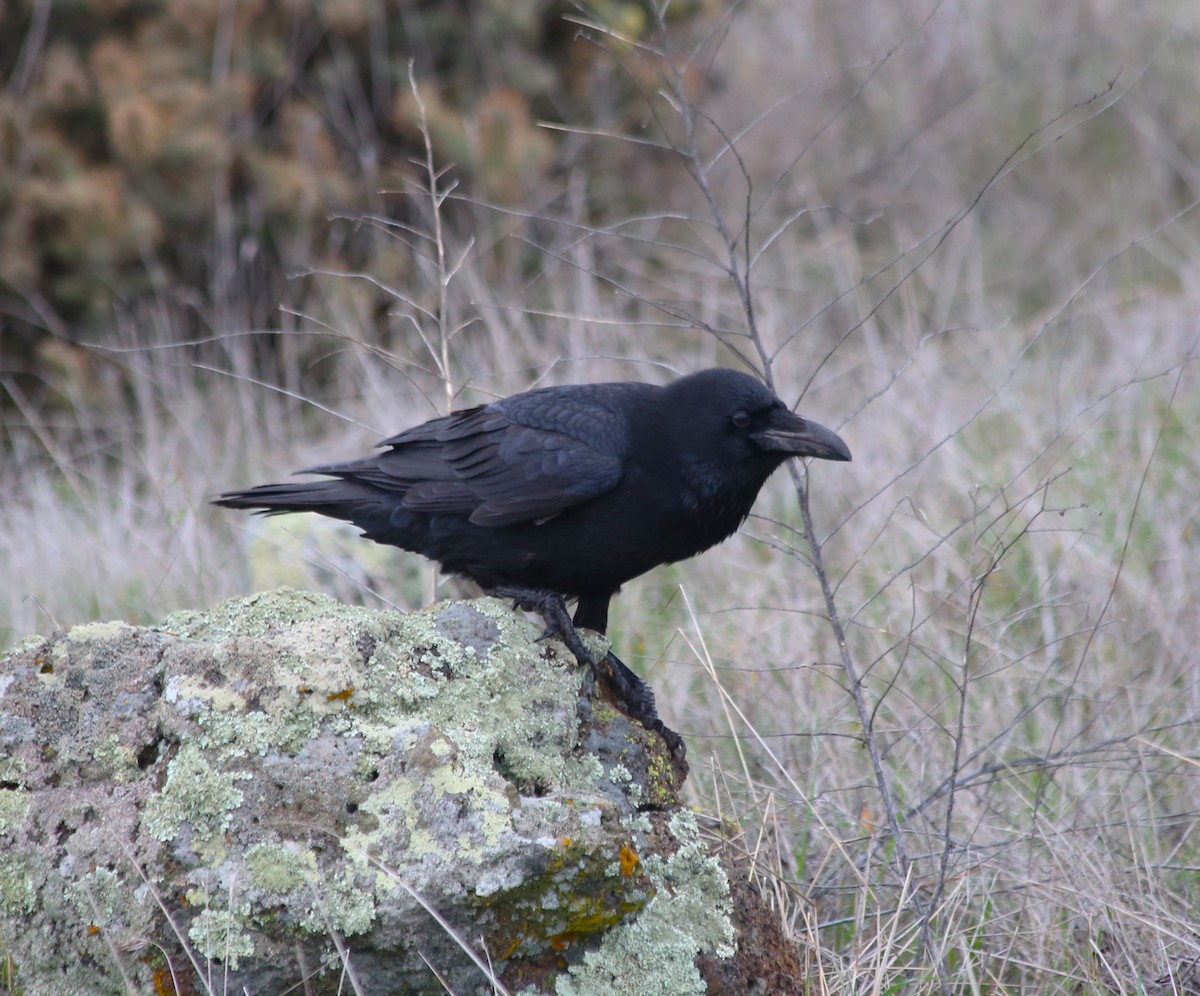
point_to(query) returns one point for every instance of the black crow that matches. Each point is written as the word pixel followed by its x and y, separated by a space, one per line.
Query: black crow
pixel 568 492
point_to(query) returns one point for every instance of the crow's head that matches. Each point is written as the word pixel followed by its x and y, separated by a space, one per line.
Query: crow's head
pixel 729 433
pixel 736 419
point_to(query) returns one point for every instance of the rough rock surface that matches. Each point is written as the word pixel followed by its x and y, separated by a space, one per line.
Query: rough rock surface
pixel 286 794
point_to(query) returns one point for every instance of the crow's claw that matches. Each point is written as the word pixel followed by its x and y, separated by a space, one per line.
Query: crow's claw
pixel 633 696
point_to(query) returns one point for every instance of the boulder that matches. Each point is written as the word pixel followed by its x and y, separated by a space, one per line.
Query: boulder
pixel 287 794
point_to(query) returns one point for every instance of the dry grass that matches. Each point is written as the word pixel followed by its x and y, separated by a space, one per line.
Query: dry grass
pixel 972 250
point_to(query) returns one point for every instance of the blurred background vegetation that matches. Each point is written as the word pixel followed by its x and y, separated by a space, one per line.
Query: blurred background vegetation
pixel 173 164
pixel 969 232
pixel 184 166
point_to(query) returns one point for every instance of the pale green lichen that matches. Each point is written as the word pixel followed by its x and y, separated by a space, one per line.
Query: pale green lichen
pixel 688 915
pixel 18 889
pixel 195 793
pixel 98 895
pixel 14 807
pixel 280 868
pixel 340 906
pixel 581 774
pixel 241 733
pixel 620 776
pixel 637 823
pixel 221 934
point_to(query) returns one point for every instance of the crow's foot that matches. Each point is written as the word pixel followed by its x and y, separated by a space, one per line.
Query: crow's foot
pixel 637 700
pixel 633 695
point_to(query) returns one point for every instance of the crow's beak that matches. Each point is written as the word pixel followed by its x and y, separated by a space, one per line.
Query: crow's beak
pixel 789 433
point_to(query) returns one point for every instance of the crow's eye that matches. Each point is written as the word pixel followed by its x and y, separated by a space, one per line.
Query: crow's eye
pixel 740 419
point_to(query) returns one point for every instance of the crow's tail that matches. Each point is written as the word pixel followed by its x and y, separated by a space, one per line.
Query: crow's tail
pixel 339 499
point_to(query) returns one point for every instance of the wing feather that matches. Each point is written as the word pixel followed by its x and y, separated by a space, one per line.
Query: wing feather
pixel 523 459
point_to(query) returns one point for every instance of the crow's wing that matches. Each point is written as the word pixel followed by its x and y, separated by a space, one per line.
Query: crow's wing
pixel 523 459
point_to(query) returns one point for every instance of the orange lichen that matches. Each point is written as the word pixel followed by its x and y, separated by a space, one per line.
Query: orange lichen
pixel 629 861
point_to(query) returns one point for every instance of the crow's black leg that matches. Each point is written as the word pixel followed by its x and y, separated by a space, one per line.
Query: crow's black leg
pixel 633 695
pixel 552 607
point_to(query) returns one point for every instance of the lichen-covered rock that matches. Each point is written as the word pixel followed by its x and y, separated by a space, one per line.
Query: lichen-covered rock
pixel 285 793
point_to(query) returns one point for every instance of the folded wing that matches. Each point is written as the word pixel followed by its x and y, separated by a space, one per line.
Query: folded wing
pixel 524 459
